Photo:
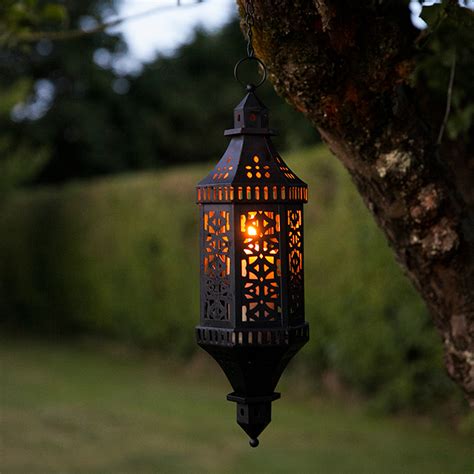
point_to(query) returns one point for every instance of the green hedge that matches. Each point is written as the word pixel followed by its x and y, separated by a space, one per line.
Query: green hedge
pixel 119 257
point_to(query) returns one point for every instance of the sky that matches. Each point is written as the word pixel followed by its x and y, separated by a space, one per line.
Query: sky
pixel 164 30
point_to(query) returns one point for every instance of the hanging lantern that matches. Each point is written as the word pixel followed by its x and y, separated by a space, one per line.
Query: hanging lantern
pixel 252 298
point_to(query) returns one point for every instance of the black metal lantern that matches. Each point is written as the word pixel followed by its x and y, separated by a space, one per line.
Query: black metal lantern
pixel 252 296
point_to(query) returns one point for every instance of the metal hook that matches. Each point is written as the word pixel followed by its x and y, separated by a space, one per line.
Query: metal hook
pixel 260 63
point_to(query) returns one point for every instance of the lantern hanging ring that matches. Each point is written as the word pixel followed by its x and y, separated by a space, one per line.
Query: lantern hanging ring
pixel 262 66
pixel 248 23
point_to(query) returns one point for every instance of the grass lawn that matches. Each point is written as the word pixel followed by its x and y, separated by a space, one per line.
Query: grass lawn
pixel 76 409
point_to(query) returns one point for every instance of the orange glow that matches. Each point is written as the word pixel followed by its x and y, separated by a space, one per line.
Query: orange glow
pixel 251 230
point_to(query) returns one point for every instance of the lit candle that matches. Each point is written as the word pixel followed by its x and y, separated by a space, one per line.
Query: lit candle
pixel 251 230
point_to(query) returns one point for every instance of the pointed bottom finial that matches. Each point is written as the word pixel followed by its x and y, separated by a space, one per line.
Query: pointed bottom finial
pixel 254 442
pixel 254 413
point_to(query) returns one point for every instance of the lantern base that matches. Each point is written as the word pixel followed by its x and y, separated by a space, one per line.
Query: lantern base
pixel 253 361
pixel 253 414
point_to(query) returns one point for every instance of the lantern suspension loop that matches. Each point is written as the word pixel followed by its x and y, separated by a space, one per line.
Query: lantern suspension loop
pixel 262 68
pixel 249 23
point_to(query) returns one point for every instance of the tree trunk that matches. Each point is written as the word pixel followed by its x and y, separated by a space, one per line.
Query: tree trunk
pixel 346 66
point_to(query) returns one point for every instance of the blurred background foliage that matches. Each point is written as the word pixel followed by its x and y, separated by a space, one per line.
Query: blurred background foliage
pixel 97 118
pixel 448 42
pixel 115 257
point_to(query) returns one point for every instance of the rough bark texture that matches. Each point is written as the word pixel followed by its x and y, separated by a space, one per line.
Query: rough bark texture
pixel 346 65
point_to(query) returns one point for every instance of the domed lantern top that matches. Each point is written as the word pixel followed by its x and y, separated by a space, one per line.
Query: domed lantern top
pixel 251 170
pixel 252 296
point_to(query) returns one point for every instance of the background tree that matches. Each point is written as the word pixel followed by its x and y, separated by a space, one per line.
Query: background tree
pixel 82 103
pixel 62 85
pixel 193 92
pixel 375 88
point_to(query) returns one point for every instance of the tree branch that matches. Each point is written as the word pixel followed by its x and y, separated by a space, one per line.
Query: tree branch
pixel 31 37
pixel 448 100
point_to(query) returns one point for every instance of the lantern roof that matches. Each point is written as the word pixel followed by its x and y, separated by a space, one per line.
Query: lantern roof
pixel 251 169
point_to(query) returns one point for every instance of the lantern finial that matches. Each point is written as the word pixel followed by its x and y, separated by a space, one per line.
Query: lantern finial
pixel 251 113
pixel 254 442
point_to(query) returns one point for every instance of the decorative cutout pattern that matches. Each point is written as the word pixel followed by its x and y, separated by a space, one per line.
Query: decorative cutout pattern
pixel 284 169
pixel 226 337
pixel 222 172
pixel 217 265
pixel 260 266
pixel 295 262
pixel 270 193
pixel 257 170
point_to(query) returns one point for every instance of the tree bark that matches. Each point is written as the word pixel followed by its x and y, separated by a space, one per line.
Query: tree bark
pixel 347 67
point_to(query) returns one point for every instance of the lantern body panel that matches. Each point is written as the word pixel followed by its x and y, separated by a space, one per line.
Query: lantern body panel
pixel 217 262
pixel 253 255
pixel 258 264
pixel 252 279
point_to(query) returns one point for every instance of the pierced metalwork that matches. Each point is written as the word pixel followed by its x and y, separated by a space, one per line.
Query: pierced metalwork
pixel 216 261
pixel 260 266
pixel 257 170
pixel 284 169
pixel 252 296
pixel 295 263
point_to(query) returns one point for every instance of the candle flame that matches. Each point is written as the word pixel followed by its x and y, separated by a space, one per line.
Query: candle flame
pixel 251 230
